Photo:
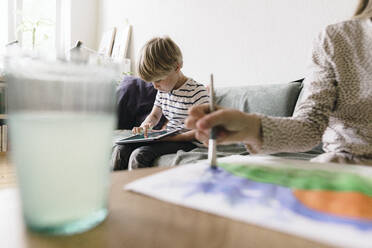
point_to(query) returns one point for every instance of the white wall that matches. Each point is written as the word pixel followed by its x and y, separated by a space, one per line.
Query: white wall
pixel 84 22
pixel 240 41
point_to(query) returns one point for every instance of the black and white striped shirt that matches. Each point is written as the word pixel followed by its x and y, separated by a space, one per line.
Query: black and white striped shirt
pixel 176 103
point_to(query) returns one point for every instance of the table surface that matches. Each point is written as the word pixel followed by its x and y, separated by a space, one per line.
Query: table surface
pixel 135 220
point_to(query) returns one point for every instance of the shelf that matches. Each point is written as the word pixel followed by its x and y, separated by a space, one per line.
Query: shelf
pixel 3 100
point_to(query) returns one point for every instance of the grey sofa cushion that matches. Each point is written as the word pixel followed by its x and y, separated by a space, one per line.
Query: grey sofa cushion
pixel 268 99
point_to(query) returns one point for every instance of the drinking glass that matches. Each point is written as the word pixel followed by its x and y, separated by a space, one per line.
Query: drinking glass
pixel 61 119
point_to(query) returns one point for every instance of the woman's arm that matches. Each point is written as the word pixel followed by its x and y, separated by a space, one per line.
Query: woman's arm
pixel 265 134
pixel 305 129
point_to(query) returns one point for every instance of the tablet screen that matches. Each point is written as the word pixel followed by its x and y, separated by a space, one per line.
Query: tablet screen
pixel 151 136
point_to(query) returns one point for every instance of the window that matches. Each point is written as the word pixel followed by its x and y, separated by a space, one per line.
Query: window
pixel 41 24
pixel 3 25
pixel 38 22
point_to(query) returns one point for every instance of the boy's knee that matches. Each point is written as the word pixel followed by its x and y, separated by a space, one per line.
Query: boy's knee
pixel 120 157
pixel 141 157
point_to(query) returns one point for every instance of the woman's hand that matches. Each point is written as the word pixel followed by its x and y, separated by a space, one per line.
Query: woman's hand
pixel 232 125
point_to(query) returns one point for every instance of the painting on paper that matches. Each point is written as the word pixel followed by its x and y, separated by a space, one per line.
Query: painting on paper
pixel 327 203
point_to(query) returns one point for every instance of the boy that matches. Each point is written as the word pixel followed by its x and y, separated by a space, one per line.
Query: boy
pixel 160 62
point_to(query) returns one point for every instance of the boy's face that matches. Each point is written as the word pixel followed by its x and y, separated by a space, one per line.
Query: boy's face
pixel 168 83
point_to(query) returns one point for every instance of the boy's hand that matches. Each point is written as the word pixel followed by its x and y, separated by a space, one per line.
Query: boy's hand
pixel 142 129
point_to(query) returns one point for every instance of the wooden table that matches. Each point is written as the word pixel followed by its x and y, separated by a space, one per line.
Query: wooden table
pixel 138 221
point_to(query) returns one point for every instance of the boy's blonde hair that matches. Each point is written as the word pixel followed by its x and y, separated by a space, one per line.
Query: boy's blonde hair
pixel 158 57
pixel 364 9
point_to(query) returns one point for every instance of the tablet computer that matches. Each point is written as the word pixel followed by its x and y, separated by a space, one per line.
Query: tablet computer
pixel 151 137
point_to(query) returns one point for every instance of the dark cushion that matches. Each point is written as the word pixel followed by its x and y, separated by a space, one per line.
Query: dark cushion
pixel 135 99
pixel 268 99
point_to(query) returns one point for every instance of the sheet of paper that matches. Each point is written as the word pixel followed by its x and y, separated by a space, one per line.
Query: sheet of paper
pixel 275 193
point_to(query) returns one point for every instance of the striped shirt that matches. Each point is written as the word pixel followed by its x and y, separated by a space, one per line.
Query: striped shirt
pixel 176 103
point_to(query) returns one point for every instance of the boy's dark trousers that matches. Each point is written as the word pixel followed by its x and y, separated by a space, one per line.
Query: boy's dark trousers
pixel 142 155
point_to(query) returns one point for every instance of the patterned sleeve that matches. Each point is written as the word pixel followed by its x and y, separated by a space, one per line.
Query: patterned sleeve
pixel 304 129
pixel 201 95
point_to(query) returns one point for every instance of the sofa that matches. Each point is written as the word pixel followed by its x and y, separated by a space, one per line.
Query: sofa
pixel 269 99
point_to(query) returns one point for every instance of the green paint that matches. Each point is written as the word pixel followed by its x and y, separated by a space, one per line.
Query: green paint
pixel 302 179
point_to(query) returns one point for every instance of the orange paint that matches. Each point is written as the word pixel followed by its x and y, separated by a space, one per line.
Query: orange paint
pixel 341 203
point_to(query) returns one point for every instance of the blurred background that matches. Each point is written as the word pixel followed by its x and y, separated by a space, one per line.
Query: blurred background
pixel 240 41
